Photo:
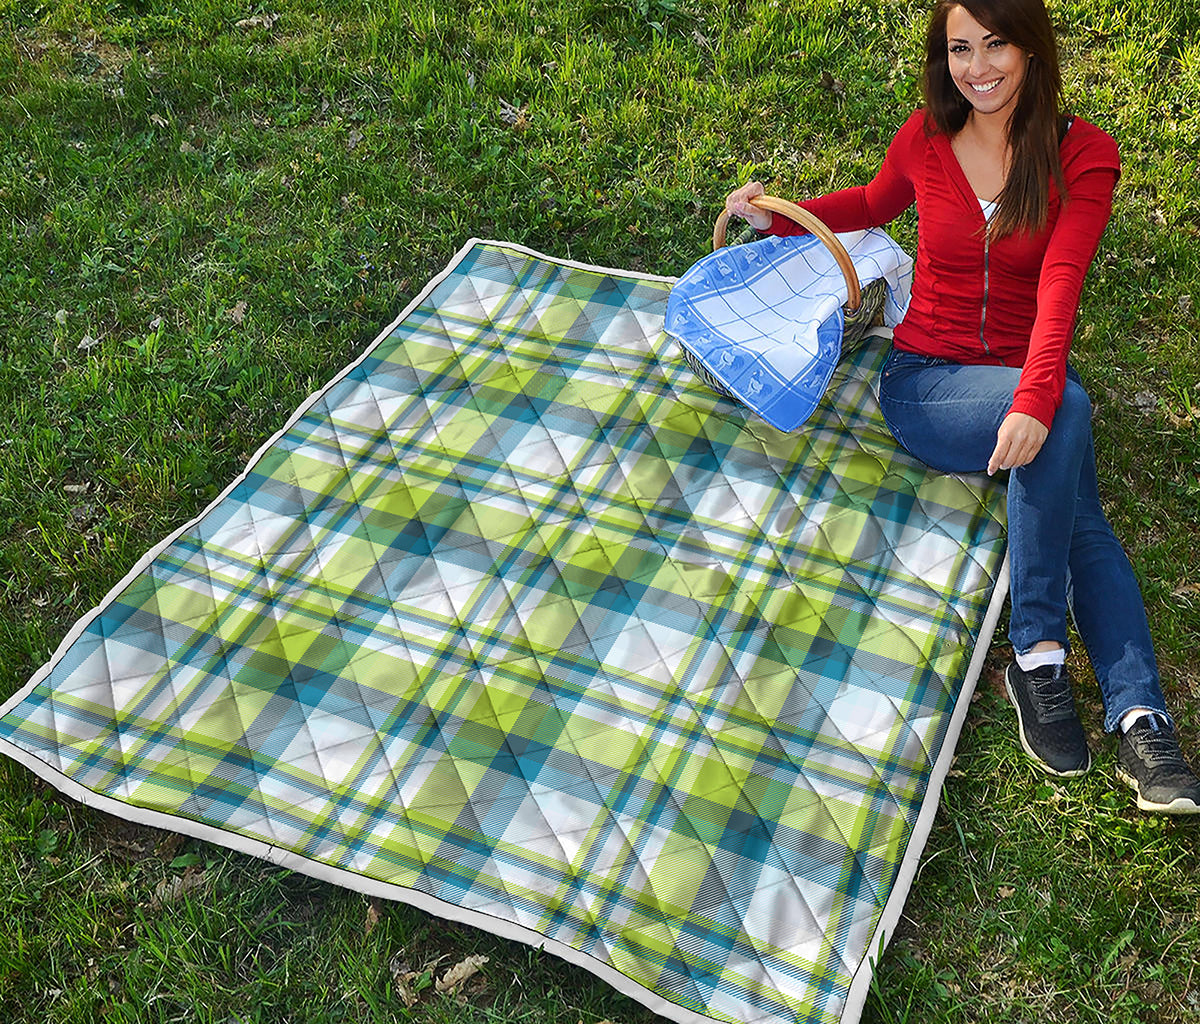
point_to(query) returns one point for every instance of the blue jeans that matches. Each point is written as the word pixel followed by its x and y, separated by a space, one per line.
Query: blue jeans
pixel 1061 547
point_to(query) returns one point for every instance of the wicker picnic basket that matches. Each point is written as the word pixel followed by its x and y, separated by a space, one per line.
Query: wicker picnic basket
pixel 860 311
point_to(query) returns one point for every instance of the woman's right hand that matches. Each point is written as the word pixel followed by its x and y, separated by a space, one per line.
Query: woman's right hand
pixel 737 204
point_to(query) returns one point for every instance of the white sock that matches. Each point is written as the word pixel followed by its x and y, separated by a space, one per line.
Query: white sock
pixel 1130 717
pixel 1036 659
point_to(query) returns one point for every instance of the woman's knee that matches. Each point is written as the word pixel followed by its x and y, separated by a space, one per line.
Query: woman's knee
pixel 1071 432
pixel 1073 420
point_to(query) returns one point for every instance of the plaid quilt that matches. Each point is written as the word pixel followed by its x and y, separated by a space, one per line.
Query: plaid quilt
pixel 518 622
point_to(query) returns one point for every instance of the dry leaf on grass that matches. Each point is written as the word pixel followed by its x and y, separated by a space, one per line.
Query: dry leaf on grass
pixel 171 889
pixel 87 341
pixel 374 913
pixel 460 972
pixel 404 988
pixel 1145 401
pixel 409 983
pixel 257 21
pixel 168 846
pixel 515 117
pixel 238 313
pixel 831 84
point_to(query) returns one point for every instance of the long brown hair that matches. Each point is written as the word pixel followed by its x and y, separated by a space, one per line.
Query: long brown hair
pixel 1036 124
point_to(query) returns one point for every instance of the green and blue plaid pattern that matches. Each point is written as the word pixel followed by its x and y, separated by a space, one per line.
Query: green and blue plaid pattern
pixel 519 618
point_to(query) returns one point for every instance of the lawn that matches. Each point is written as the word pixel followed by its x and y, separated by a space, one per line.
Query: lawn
pixel 207 209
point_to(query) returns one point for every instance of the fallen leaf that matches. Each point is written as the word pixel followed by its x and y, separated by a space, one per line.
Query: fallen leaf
pixel 83 514
pixel 75 488
pixel 169 846
pixel 354 139
pixel 158 120
pixel 186 147
pixel 405 991
pixel 171 889
pixel 1146 401
pixel 460 972
pixel 126 849
pixel 60 317
pixel 831 84
pixel 257 21
pixel 238 313
pixel 403 977
pixel 994 677
pixel 156 323
pixel 514 116
pixel 374 913
pixel 87 341
pixel 1005 891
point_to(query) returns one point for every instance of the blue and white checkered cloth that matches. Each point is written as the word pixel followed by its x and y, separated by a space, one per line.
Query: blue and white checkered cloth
pixel 766 320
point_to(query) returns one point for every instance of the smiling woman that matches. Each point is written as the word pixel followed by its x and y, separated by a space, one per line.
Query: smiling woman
pixel 1012 198
pixel 997 91
pixel 987 69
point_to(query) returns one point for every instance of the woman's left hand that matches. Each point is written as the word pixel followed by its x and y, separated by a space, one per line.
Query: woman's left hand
pixel 737 204
pixel 1018 441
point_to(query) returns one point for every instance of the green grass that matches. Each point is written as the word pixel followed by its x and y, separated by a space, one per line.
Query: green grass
pixel 200 224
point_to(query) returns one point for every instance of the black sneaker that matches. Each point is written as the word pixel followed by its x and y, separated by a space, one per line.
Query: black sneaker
pixel 1051 732
pixel 1149 760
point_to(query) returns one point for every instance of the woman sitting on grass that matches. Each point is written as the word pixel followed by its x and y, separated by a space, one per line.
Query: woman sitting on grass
pixel 1012 198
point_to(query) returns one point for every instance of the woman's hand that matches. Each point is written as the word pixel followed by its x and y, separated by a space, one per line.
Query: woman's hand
pixel 1018 441
pixel 737 204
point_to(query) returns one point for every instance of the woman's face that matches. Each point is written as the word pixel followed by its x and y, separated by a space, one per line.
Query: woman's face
pixel 987 69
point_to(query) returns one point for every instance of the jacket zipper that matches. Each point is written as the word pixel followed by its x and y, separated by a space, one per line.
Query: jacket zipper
pixel 983 308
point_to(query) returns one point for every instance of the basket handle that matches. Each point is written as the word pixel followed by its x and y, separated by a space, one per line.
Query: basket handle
pixel 806 220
